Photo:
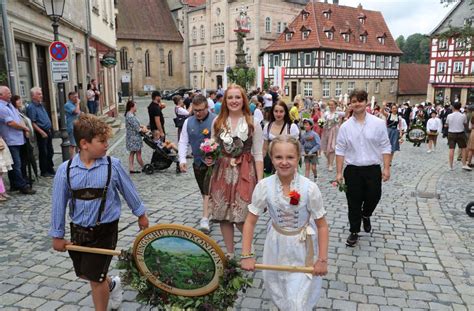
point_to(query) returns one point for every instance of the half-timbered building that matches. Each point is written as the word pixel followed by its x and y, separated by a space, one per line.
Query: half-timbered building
pixel 329 49
pixel 452 59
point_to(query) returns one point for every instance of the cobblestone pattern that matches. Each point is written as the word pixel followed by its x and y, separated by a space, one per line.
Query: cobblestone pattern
pixel 418 257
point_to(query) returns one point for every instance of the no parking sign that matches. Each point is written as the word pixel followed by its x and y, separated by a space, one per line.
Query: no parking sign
pixel 58 51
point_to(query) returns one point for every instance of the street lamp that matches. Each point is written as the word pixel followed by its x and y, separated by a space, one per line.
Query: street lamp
pixel 130 65
pixel 55 9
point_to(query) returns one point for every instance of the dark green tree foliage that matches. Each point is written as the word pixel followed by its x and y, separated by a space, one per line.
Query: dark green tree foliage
pixel 416 48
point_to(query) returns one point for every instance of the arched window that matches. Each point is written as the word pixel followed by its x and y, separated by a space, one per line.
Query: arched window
pixel 203 59
pixel 222 57
pixel 147 64
pixel 195 60
pixel 123 59
pixel 170 63
pixel 203 32
pixel 268 24
pixel 194 33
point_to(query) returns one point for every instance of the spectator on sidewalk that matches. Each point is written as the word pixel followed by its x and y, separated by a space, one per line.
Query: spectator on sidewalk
pixel 157 120
pixel 210 100
pixel 72 108
pixel 44 132
pixel 95 89
pixel 90 95
pixel 11 129
pixel 195 129
pixel 456 122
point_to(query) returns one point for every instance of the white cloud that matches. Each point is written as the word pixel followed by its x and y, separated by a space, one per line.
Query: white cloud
pixel 406 17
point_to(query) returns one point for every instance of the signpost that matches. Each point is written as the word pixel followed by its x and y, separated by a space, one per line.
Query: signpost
pixel 60 73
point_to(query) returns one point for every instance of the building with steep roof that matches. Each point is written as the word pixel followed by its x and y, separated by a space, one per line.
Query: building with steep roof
pixel 412 83
pixel 452 59
pixel 151 47
pixel 329 49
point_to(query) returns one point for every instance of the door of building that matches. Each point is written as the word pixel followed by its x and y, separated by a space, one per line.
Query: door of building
pixel 125 89
pixel 41 63
pixel 455 94
pixel 294 89
pixel 219 82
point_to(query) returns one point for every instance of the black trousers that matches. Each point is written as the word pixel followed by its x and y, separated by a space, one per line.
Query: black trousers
pixel 364 189
pixel 45 152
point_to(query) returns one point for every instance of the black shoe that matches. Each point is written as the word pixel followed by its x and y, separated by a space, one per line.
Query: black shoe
pixel 27 190
pixel 14 189
pixel 367 225
pixel 352 239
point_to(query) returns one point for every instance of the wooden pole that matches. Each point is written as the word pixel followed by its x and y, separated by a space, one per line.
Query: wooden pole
pixel 111 252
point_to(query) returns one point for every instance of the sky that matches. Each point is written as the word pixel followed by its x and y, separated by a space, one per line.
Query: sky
pixel 406 17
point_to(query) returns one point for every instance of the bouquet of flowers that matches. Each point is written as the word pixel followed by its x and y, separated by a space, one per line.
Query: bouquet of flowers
pixel 321 122
pixel 210 148
pixel 340 185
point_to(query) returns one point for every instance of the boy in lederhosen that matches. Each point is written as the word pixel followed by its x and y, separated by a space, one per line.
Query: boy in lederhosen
pixel 90 184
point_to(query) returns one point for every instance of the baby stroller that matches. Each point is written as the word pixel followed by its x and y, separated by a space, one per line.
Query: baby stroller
pixel 161 158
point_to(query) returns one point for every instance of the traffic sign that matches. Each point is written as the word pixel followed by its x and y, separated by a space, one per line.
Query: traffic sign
pixel 60 71
pixel 58 51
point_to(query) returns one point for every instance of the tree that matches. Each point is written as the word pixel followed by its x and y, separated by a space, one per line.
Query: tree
pixel 400 42
pixel 415 49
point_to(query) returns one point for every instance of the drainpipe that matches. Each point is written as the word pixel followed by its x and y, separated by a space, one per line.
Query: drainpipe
pixel 87 36
pixel 8 46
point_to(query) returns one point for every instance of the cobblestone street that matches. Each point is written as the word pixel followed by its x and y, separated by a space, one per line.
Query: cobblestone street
pixel 418 257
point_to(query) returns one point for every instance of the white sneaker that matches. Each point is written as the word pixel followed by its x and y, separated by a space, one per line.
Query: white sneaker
pixel 429 151
pixel 466 167
pixel 204 225
pixel 115 297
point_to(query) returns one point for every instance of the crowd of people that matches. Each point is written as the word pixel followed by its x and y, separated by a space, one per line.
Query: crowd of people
pixel 268 150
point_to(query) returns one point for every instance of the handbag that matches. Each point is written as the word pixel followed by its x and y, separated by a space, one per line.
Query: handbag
pixel 179 121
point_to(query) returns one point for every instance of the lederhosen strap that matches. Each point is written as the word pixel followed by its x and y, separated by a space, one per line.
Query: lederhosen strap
pixel 87 194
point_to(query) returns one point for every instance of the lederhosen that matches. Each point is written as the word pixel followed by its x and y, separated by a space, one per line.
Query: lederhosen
pixel 93 267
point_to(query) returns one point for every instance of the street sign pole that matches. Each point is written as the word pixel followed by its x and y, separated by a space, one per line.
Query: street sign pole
pixel 61 96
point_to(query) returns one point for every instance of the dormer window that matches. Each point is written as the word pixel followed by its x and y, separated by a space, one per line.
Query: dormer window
pixel 304 14
pixel 346 35
pixel 327 14
pixel 329 32
pixel 305 34
pixel 363 38
pixel 288 36
pixel 381 38
pixel 362 18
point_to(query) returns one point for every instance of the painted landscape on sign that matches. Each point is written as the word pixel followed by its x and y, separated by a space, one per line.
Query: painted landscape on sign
pixel 179 263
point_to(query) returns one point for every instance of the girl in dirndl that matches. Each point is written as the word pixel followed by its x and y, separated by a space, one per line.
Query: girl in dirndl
pixel 6 163
pixel 240 166
pixel 394 128
pixel 297 234
pixel 333 120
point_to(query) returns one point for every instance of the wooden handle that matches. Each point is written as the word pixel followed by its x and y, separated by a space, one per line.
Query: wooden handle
pixel 284 268
pixel 93 250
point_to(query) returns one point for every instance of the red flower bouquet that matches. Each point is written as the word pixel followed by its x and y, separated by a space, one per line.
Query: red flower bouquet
pixel 294 197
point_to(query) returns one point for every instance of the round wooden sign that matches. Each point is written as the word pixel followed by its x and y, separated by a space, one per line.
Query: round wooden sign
pixel 416 134
pixel 179 260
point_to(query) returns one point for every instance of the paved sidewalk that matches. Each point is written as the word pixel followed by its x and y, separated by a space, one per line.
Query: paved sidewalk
pixel 419 256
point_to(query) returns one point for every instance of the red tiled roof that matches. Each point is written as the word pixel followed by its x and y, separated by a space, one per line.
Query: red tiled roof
pixel 413 79
pixel 151 20
pixel 342 18
pixel 194 3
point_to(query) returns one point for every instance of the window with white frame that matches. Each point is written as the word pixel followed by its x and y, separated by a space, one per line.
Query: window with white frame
pixel 350 86
pixel 222 57
pixel 367 84
pixel 394 62
pixel 216 58
pixel 441 67
pixel 346 37
pixel 194 33
pixel 387 62
pixel 443 44
pixel 288 36
pixel 349 60
pixel 327 59
pixel 457 67
pixel 329 35
pixel 392 87
pixel 279 27
pixel 305 34
pixel 268 24
pixel 363 38
pixel 276 60
pixel 459 43
pixel 377 87
pixel 367 61
pixel 307 59
pixel 338 89
pixel 203 59
pixel 307 88
pixel 326 89
pixel 472 68
pixel 293 60
pixel 378 62
pixel 381 40
pixel 338 60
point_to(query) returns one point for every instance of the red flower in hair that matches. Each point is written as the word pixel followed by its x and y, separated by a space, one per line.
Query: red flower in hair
pixel 294 197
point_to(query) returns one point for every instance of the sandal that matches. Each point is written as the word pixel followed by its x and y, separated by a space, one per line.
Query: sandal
pixel 135 172
pixel 2 198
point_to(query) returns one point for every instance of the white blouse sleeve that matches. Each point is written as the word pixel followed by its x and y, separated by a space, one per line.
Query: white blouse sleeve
pixel 257 143
pixel 182 111
pixel 259 198
pixel 294 131
pixel 265 132
pixel 315 202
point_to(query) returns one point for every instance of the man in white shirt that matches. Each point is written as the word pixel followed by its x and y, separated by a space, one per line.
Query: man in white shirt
pixel 455 122
pixel 363 145
pixel 210 100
